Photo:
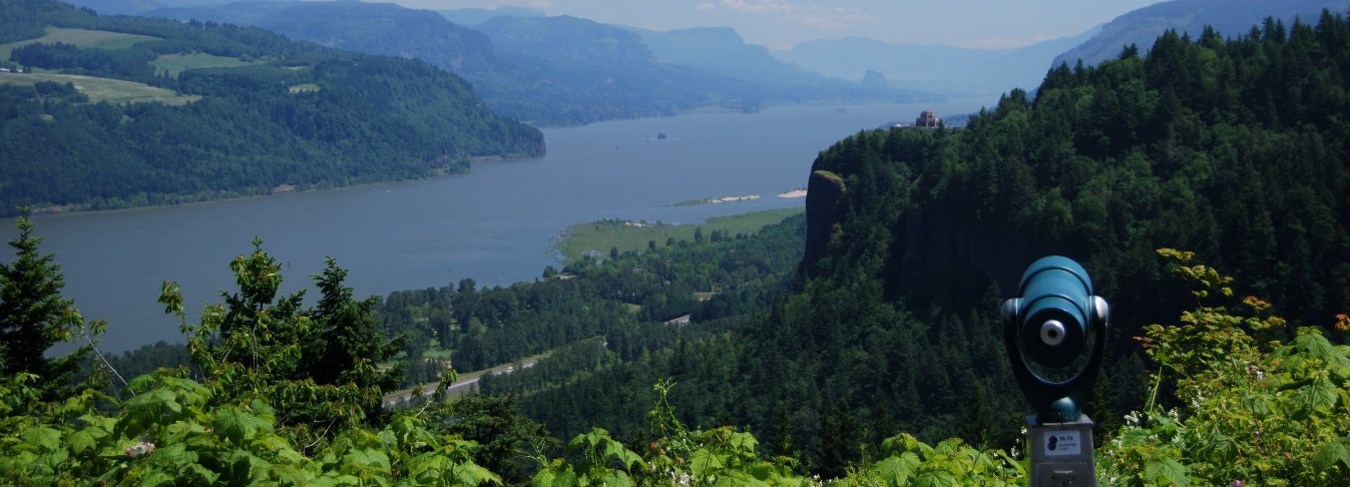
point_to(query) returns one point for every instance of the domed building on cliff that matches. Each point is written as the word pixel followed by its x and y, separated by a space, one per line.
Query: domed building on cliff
pixel 927 119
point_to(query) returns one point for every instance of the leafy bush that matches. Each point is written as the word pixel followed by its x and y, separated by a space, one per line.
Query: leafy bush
pixel 1247 407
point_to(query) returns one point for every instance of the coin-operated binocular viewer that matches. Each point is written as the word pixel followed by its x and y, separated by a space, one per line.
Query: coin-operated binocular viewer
pixel 1055 332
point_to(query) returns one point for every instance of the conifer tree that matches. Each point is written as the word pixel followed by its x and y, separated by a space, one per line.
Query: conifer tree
pixel 34 316
pixel 350 345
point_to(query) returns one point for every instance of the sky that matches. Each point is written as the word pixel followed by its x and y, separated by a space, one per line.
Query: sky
pixel 780 24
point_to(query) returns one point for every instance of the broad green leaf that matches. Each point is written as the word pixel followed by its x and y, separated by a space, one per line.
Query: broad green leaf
pixel 474 474
pixel 156 477
pixel 203 475
pixel 367 458
pixel 80 441
pixel 429 466
pixel 616 478
pixel 744 442
pixel 42 437
pixel 734 478
pixel 1335 453
pixel 939 478
pixel 237 425
pixel 1165 472
pixel 388 438
pixel 703 461
pixel 557 474
pixel 896 470
pixel 291 475
pixel 1320 395
pixel 1315 345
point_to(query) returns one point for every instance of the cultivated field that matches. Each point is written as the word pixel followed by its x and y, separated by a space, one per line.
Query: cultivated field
pixel 104 89
pixel 177 63
pixel 80 37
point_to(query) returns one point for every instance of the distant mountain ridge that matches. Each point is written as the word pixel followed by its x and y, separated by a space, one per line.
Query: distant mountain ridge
pixel 1229 17
pixel 722 51
pixel 933 68
pixel 569 40
pixel 474 16
pixel 547 70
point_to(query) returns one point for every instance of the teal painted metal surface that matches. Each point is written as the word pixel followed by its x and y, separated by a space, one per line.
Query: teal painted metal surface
pixel 1047 329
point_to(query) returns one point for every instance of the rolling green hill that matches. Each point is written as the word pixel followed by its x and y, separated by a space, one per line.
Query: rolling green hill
pixel 99 89
pixel 220 111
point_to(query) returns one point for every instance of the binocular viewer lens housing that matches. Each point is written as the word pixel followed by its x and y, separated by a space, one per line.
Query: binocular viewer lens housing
pixel 1047 328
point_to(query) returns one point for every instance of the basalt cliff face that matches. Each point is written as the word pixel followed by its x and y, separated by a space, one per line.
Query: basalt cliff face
pixel 822 196
pixel 921 253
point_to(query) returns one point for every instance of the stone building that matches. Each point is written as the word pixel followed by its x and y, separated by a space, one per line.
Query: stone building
pixel 927 119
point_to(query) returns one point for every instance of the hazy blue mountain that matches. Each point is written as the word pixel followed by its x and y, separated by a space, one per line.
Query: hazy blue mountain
pixel 681 64
pixel 377 28
pixel 475 16
pixel 1229 17
pixel 547 70
pixel 118 7
pixel 943 69
pixel 566 39
pixel 720 50
pixel 551 71
pixel 140 7
pixel 874 79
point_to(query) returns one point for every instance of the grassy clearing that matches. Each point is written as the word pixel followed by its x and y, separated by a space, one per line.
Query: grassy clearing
pixel 177 63
pixel 304 87
pixel 105 89
pixel 101 39
pixel 599 237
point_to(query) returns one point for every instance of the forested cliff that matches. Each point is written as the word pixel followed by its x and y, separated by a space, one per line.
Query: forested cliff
pixel 1235 149
pixel 282 114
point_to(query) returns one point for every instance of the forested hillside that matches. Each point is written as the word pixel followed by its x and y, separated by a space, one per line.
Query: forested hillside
pixel 1236 149
pixel 279 115
pixel 1229 17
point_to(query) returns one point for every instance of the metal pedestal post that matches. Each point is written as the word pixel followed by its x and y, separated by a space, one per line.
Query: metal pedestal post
pixel 1061 453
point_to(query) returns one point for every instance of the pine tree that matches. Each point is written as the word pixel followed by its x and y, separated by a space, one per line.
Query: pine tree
pixel 350 347
pixel 34 316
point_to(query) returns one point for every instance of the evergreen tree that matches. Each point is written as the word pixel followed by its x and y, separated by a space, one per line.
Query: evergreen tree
pixel 350 347
pixel 318 369
pixel 34 316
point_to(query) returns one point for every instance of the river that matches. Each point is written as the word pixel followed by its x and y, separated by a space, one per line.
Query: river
pixel 493 225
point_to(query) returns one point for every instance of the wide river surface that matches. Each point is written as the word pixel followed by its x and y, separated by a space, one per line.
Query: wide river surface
pixel 493 225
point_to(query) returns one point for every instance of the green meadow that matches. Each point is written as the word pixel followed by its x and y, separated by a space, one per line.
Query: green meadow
pixel 177 63
pixel 101 39
pixel 105 89
pixel 599 237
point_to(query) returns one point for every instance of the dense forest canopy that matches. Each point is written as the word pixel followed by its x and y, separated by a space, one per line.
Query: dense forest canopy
pixel 1234 148
pixel 292 115
pixel 883 342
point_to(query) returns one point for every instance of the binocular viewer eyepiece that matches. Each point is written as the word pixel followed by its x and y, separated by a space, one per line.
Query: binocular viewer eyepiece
pixel 1046 330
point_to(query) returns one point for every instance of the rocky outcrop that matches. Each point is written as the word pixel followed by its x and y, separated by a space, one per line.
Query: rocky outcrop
pixel 822 195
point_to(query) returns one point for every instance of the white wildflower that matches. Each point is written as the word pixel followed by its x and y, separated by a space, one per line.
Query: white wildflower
pixel 141 448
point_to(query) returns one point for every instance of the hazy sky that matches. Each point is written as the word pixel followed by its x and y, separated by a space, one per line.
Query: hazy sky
pixel 779 24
